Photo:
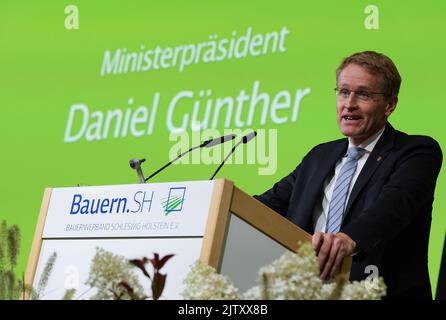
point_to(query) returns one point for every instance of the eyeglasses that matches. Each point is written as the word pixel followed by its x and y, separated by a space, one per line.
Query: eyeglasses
pixel 361 94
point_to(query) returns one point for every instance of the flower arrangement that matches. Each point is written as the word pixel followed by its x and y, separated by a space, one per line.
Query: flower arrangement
pixel 107 272
pixel 294 276
pixel 111 276
pixel 10 238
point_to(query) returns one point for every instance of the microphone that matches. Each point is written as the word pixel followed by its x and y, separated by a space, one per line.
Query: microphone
pixel 136 164
pixel 249 137
pixel 216 141
pixel 245 139
pixel 208 144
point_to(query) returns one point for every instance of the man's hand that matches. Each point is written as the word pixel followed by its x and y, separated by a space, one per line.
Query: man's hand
pixel 331 250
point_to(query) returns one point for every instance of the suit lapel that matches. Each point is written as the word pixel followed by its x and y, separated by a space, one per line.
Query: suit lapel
pixel 382 148
pixel 324 168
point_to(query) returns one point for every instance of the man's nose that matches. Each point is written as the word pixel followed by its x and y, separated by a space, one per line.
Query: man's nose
pixel 351 101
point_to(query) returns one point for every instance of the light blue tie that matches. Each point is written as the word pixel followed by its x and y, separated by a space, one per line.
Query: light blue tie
pixel 340 191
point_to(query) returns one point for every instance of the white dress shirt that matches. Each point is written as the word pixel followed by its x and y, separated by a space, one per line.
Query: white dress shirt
pixel 320 212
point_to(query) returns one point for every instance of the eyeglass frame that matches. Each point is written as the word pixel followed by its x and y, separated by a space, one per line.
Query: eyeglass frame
pixel 358 93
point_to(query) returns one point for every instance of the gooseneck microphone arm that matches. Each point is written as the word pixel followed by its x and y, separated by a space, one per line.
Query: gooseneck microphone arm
pixel 170 162
pixel 245 139
pixel 208 144
pixel 224 160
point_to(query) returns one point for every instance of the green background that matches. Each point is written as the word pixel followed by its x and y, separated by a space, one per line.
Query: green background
pixel 46 68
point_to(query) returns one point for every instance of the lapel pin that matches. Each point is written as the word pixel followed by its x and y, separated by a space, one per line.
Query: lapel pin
pixel 379 158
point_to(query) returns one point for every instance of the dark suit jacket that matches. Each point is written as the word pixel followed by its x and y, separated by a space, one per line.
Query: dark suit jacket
pixel 389 210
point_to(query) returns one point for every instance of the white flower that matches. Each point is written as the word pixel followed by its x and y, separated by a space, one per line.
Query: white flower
pixel 364 290
pixel 294 276
pixel 204 283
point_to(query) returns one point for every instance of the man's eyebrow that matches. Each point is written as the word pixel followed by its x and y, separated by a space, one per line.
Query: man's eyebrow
pixel 364 88
pixel 359 88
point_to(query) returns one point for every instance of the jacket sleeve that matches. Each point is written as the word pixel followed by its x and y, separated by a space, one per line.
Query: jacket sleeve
pixel 278 197
pixel 410 188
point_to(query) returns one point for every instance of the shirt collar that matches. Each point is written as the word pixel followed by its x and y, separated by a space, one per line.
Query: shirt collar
pixel 369 143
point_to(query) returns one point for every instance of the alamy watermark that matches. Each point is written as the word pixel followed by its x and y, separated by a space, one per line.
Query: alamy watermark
pixel 371 22
pixel 71 21
pixel 372 280
pixel 260 151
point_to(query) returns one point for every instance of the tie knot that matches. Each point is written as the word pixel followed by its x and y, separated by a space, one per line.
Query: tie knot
pixel 355 153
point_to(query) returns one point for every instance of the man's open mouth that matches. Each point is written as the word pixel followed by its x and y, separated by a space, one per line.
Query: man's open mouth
pixel 351 117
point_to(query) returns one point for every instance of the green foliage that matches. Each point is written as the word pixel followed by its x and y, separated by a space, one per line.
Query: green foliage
pixel 107 273
pixel 38 292
pixel 69 294
pixel 10 285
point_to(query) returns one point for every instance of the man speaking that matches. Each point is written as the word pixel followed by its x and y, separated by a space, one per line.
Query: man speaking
pixel 370 195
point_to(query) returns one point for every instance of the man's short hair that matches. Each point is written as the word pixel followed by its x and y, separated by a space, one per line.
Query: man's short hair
pixel 377 64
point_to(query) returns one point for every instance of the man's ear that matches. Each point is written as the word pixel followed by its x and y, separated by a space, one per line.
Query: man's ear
pixel 391 105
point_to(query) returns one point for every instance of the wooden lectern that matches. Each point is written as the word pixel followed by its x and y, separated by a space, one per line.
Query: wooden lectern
pixel 213 221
